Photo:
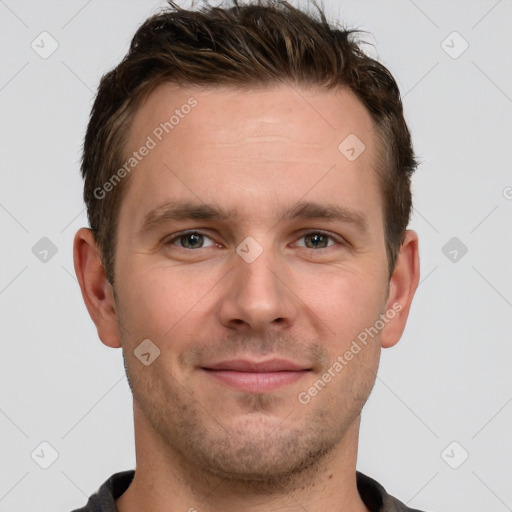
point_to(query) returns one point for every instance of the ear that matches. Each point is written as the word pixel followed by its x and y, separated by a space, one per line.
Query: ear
pixel 96 290
pixel 402 286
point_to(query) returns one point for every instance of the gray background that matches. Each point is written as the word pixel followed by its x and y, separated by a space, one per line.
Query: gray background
pixel 448 380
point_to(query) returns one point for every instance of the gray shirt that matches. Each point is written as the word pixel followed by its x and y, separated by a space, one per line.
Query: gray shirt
pixel 372 493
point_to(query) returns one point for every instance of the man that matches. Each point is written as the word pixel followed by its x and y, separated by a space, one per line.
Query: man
pixel 247 179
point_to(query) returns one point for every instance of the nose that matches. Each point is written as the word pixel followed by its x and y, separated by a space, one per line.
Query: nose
pixel 258 295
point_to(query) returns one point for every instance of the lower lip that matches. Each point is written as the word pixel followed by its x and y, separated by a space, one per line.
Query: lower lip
pixel 256 382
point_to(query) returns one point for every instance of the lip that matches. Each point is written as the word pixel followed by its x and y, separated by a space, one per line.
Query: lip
pixel 247 365
pixel 256 376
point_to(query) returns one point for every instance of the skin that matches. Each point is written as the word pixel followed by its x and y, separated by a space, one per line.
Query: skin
pixel 201 444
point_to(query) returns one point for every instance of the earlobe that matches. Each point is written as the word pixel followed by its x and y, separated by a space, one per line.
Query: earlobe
pixel 96 290
pixel 402 287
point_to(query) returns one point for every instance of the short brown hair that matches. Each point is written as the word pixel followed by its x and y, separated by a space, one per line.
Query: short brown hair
pixel 265 43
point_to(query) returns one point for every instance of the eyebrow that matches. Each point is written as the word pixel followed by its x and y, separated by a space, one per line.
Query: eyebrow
pixel 306 210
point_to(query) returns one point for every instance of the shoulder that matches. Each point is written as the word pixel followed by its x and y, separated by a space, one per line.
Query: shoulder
pixel 376 498
pixel 104 500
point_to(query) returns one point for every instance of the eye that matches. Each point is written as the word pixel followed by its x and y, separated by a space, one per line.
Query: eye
pixel 191 240
pixel 317 240
pixel 198 240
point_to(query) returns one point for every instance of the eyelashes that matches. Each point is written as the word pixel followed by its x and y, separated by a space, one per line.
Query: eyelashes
pixel 195 240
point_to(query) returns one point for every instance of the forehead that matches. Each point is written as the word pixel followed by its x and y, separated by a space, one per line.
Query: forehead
pixel 316 116
pixel 244 145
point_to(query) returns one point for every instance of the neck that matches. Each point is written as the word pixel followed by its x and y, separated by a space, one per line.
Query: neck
pixel 165 481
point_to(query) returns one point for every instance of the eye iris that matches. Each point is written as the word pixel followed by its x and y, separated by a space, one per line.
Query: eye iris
pixel 195 241
pixel 192 240
pixel 316 240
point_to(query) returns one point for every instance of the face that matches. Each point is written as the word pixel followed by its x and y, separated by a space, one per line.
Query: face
pixel 251 253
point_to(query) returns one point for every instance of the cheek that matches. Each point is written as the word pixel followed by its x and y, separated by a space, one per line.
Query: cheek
pixel 161 301
pixel 347 300
pixel 351 306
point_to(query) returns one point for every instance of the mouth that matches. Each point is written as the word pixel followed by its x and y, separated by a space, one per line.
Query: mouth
pixel 256 376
